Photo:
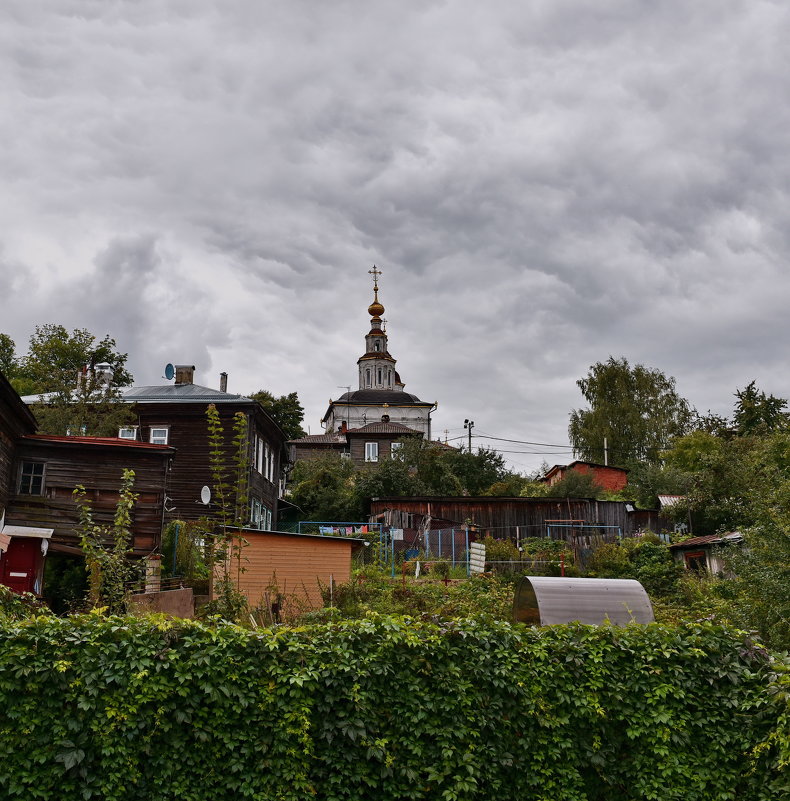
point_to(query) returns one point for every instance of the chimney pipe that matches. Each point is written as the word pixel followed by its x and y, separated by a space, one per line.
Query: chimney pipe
pixel 223 382
pixel 185 373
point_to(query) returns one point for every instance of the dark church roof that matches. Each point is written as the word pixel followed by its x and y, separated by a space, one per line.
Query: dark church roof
pixel 383 428
pixel 376 396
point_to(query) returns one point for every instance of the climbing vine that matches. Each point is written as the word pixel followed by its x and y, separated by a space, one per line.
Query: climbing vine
pixel 124 708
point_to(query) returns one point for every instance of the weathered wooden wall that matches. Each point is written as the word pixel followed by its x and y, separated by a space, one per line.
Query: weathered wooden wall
pixel 72 461
pixel 501 516
pixel 191 470
pixel 15 420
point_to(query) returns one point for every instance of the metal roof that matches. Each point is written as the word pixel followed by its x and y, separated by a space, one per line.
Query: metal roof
pixel 180 393
pixel 383 428
pixel 164 393
pixel 709 539
pixel 115 442
pixel 320 439
pixel 394 397
pixel 670 500
pixel 544 600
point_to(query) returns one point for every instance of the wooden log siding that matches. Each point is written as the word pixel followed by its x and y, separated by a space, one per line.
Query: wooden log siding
pixel 191 470
pixel 15 420
pixel 500 516
pixel 292 565
pixel 98 467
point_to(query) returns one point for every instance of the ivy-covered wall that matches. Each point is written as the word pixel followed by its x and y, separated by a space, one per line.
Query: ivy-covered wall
pixel 386 708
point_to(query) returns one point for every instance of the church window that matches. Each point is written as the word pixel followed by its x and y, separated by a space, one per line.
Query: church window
pixel 379 377
pixel 367 378
pixel 376 345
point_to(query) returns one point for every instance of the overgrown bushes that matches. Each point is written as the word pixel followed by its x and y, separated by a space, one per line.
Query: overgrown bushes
pixel 128 708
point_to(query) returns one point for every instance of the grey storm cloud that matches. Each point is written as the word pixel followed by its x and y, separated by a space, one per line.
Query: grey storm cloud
pixel 543 183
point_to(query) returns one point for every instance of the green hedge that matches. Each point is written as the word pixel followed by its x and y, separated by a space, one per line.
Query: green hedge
pixel 386 708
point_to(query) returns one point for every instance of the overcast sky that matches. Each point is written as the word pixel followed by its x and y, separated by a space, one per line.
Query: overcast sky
pixel 544 183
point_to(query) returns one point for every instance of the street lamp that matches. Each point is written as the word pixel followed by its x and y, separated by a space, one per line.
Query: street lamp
pixel 469 425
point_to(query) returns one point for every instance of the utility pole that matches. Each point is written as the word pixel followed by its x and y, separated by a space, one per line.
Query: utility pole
pixel 469 425
pixel 605 452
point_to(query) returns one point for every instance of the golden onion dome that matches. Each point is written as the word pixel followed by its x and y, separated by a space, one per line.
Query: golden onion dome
pixel 375 309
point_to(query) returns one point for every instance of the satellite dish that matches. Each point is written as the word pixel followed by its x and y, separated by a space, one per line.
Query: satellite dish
pixel 205 496
pixel 170 372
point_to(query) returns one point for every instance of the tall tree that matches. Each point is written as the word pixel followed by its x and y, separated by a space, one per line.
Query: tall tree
pixel 286 411
pixel 56 358
pixel 76 398
pixel 758 413
pixel 8 361
pixel 637 410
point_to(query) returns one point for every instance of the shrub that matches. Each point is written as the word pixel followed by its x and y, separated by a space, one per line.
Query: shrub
pixel 387 708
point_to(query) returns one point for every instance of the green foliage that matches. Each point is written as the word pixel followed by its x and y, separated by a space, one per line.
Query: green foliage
pixel 371 590
pixel 121 709
pixel 19 605
pixel 286 411
pixel 65 582
pixel 758 413
pixel 575 484
pixel 323 489
pixel 332 488
pixel 224 544
pixel 9 364
pixel 645 559
pixel 107 548
pixel 186 540
pixel 62 363
pixel 636 409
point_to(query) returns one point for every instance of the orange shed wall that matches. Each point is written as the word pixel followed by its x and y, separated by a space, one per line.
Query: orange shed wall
pixel 295 564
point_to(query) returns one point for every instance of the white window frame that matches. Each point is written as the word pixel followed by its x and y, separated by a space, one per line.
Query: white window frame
pixel 159 439
pixel 371 451
pixel 131 429
pixel 255 513
pixel 259 453
pixel 395 449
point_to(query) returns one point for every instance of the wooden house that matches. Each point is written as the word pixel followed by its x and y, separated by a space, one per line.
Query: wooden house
pixel 175 415
pixel 38 474
pixel 366 445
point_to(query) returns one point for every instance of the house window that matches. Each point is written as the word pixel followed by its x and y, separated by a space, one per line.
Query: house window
pixel 259 454
pixel 159 435
pixel 395 450
pixel 129 432
pixel 76 432
pixel 371 451
pixel 31 479
pixel 256 516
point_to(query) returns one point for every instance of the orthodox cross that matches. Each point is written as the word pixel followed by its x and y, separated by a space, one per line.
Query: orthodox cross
pixel 375 272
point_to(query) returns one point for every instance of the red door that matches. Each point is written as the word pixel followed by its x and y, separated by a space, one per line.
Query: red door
pixel 19 564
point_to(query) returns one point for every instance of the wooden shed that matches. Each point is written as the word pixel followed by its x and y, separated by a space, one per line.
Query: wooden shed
pixel 288 570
